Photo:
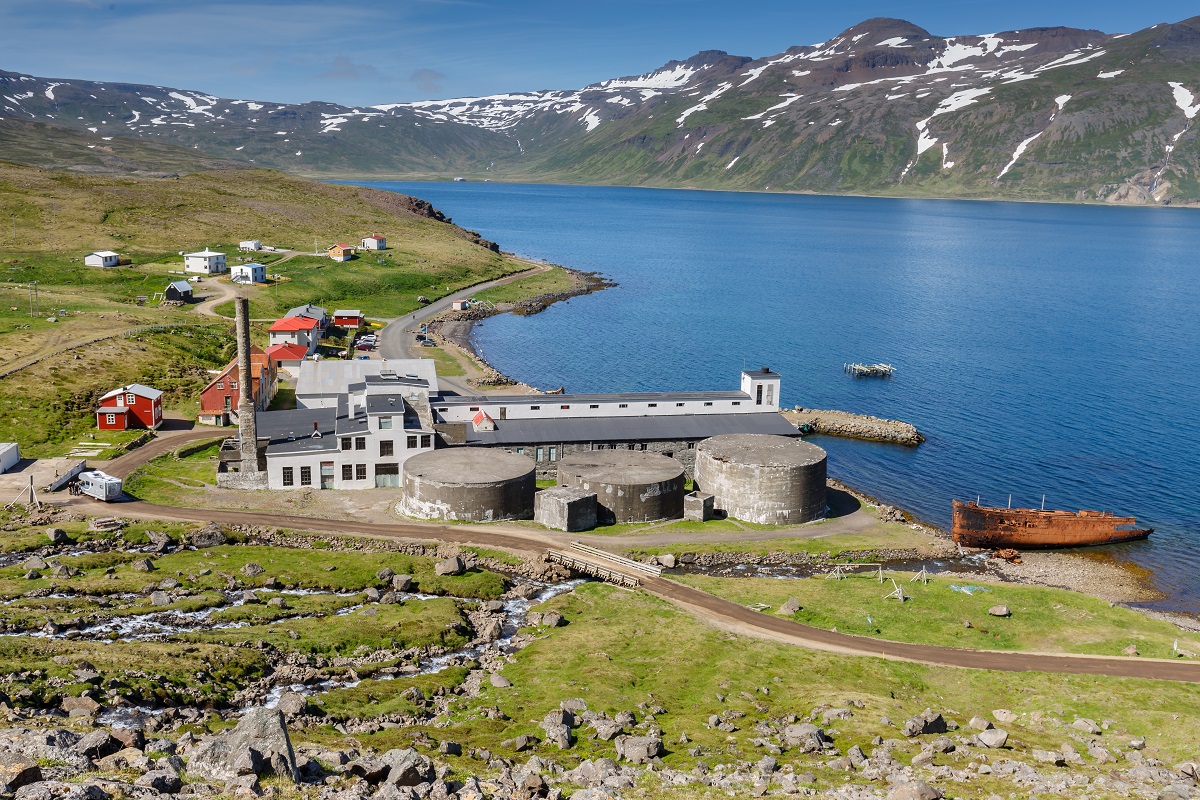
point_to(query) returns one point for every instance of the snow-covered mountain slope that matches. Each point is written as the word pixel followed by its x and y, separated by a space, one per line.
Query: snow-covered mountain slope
pixel 884 106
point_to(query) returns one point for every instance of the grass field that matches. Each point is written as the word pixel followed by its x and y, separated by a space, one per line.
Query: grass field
pixel 1045 620
pixel 550 281
pixel 880 536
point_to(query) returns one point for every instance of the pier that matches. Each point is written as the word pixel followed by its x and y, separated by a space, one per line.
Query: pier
pixel 869 370
pixel 853 426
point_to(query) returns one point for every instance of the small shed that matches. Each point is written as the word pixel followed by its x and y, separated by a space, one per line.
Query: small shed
pixel 248 273
pixel 341 252
pixel 374 243
pixel 102 258
pixel 348 318
pixel 460 305
pixel 250 245
pixel 178 292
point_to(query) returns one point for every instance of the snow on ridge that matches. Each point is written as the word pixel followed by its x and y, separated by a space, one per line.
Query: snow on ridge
pixel 1018 153
pixel 788 100
pixel 591 120
pixel 1185 100
pixel 672 78
pixel 754 73
pixel 703 104
pixel 1111 74
pixel 50 90
pixel 895 41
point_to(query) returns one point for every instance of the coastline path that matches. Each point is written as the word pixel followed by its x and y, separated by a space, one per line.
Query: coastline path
pixel 397 339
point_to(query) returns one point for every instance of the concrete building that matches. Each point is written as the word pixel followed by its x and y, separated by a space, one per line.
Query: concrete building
pixel 10 454
pixel 250 245
pixel 204 262
pixel 321 383
pixel 248 273
pixel 102 258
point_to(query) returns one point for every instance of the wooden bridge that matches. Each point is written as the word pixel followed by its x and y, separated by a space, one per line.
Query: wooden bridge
pixel 603 565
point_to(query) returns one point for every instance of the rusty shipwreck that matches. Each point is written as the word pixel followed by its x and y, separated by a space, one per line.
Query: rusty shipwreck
pixel 1032 529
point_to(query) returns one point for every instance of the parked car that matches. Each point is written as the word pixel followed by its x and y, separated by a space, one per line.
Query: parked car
pixel 364 347
pixel 429 343
pixel 362 358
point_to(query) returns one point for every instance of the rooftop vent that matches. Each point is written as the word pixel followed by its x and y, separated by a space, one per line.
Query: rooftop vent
pixel 316 434
pixel 388 375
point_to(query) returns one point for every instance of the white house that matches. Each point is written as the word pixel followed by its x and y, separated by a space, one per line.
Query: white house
pixel 301 331
pixel 205 262
pixel 250 245
pixel 248 273
pixel 374 243
pixel 102 258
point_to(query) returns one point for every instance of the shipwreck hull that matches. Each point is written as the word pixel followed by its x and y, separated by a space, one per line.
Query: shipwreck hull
pixel 1031 529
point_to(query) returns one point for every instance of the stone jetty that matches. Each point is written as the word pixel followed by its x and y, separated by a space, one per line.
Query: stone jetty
pixel 854 426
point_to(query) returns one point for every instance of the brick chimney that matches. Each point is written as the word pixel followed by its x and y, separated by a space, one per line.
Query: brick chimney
pixel 247 424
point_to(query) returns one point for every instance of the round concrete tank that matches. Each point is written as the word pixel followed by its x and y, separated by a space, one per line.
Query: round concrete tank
pixel 630 485
pixel 468 484
pixel 772 480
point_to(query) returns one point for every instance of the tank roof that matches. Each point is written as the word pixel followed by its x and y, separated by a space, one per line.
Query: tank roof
pixel 465 466
pixel 621 466
pixel 762 449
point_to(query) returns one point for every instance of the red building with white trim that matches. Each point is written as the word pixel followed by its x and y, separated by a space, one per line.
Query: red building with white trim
pixel 130 407
pixel 219 399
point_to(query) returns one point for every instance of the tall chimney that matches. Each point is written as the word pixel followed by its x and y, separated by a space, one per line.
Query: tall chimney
pixel 247 424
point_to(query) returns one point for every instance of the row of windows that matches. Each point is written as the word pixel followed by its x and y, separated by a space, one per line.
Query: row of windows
pixel 354 472
pixel 350 472
pixel 541 452
pixel 597 405
pixel 221 384
pixel 387 447
pixel 289 475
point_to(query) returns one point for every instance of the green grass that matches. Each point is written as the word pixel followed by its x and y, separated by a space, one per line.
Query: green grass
pixel 448 364
pixel 499 555
pixel 171 480
pixel 549 282
pixel 375 627
pixel 297 567
pixel 1046 620
pixel 623 648
pixel 853 546
pixel 377 698
pixel 285 398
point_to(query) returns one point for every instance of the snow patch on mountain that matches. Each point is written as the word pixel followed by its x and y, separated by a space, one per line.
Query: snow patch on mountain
pixel 704 101
pixel 1185 100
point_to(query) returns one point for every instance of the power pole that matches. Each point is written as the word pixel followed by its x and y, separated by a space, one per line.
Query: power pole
pixel 34 306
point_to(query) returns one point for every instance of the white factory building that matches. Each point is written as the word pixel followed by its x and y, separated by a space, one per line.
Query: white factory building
pixel 356 422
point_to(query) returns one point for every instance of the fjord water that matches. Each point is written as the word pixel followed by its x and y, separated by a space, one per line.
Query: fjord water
pixel 1041 349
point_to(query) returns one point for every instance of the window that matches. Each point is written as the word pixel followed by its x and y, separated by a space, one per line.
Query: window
pixel 669 454
pixel 737 402
pixel 553 453
pixel 474 408
pixel 535 408
pixel 347 443
pixel 630 446
pixel 642 446
pixel 539 455
pixel 520 451
pixel 306 476
pixel 679 405
pixel 691 445
pixel 651 405
pixel 622 405
pixel 233 384
pixel 360 443
pixel 289 476
pixel 412 443
pixel 360 472
pixel 347 472
pixel 564 408
pixel 131 398
pixel 708 402
pixel 443 409
pixel 427 440
pixel 593 406
pixel 385 423
pixel 111 419
pixel 220 384
pixel 386 448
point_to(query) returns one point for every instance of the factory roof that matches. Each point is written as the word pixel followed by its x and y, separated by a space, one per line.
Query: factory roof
pixel 568 399
pixel 291 431
pixel 330 378
pixel 627 429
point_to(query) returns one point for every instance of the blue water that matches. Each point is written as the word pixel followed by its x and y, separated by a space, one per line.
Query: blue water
pixel 1041 349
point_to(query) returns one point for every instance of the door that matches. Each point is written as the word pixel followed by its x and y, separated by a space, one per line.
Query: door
pixel 326 474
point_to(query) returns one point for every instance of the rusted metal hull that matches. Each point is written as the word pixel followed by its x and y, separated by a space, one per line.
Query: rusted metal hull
pixel 1031 529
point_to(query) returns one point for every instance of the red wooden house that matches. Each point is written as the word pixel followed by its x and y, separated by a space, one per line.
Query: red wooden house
pixel 130 407
pixel 350 318
pixel 219 399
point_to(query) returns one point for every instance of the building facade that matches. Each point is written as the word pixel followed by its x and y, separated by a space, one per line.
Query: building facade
pixel 130 407
pixel 204 262
pixel 248 273
pixel 300 331
pixel 102 258
pixel 219 399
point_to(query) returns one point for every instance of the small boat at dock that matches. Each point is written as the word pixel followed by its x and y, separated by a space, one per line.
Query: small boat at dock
pixel 1033 529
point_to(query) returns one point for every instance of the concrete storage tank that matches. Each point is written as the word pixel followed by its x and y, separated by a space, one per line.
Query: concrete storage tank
pixel 773 480
pixel 630 485
pixel 467 484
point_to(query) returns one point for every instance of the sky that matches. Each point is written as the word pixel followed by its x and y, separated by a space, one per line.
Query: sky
pixel 361 52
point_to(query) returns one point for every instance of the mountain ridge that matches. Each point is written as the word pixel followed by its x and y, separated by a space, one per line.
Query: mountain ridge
pixel 885 107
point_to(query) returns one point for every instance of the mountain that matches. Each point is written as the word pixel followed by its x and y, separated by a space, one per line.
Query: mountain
pixel 885 107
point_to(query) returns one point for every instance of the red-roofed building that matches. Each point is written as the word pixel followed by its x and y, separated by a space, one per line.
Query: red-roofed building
pixel 219 399
pixel 296 330
pixel 130 407
pixel 341 252
pixel 288 356
pixel 374 243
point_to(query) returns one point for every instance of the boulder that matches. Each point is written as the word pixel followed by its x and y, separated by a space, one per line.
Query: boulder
pixel 450 566
pixel 143 565
pixel 638 749
pixel 129 737
pixel 1000 611
pixel 1050 757
pixel 97 744
pixel 914 790
pixel 35 563
pixel 789 608
pixel 258 745
pixel 490 629
pixel 499 681
pixel 979 723
pixel 1004 715
pixel 58 536
pixel 292 704
pixel 169 583
pixel 210 535
pixel 251 570
pixel 448 748
pixel 606 729
pixel 80 706
pixel 372 770
pixel 277 602
pixel 926 722
pixel 553 619
pixel 372 595
pixel 160 780
pixel 407 768
pixel 667 561
pixel 520 743
pixel 805 737
pixel 1087 725
pixel 402 583
pixel 385 574
pixel 160 598
pixel 159 540
pixel 17 770
pixel 993 738
pixel 1131 650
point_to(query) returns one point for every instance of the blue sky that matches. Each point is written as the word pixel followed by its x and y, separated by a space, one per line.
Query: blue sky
pixel 376 51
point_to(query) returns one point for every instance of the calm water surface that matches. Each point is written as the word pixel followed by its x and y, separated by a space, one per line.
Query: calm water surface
pixel 1041 349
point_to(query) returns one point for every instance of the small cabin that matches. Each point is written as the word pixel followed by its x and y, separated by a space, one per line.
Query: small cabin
pixel 130 407
pixel 348 318
pixel 205 262
pixel 460 305
pixel 374 243
pixel 102 258
pixel 248 273
pixel 178 292
pixel 341 252
pixel 250 246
